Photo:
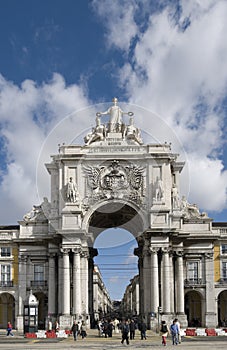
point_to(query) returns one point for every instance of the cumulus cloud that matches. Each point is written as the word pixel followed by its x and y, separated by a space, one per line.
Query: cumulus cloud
pixel 28 115
pixel 177 68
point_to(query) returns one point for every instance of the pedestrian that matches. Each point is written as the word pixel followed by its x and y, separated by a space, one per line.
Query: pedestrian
pixel 50 326
pixel 174 332
pixel 56 326
pixel 164 331
pixel 83 330
pixel 132 328
pixel 125 332
pixel 179 335
pixel 75 330
pixel 143 329
pixel 9 329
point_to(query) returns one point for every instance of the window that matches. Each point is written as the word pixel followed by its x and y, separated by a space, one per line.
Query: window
pixel 5 251
pixel 5 274
pixel 39 273
pixel 224 270
pixel 224 248
pixel 192 271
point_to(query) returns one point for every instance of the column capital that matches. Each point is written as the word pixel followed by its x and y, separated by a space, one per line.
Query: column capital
pixel 22 258
pixel 179 253
pixel 52 255
pixel 77 250
pixel 154 250
pixel 65 251
pixel 166 250
pixel 209 255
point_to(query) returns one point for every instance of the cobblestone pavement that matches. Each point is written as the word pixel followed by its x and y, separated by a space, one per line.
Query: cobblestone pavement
pixel 94 342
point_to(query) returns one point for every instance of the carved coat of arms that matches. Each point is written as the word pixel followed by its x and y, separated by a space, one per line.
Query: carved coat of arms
pixel 115 181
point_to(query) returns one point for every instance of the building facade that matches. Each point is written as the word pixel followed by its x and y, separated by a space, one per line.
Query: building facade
pixel 114 180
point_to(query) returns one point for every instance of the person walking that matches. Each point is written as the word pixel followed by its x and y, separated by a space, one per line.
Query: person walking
pixel 174 332
pixel 143 329
pixel 164 331
pixel 9 329
pixel 179 335
pixel 125 332
pixel 132 328
pixel 83 330
pixel 75 329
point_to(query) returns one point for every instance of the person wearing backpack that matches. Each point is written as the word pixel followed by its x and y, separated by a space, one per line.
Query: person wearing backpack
pixel 164 331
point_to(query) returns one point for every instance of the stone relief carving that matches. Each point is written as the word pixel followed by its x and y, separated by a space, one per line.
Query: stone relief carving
pixel 39 212
pixel 115 181
pixel 115 125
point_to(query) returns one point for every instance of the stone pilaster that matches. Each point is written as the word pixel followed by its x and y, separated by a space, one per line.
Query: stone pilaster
pixel 211 312
pixel 51 286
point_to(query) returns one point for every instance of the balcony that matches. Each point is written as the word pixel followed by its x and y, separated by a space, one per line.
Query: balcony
pixel 38 285
pixel 6 284
pixel 194 282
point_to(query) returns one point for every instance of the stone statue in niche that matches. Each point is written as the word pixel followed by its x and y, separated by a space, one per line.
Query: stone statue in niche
pixel 71 192
pixel 175 197
pixel 159 190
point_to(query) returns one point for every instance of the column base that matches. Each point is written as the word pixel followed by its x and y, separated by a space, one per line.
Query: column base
pixel 211 320
pixel 20 323
pixel 65 321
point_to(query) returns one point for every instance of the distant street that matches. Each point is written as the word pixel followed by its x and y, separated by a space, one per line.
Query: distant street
pixel 94 342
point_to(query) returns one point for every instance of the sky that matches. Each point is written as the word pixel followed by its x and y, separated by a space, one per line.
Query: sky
pixel 61 61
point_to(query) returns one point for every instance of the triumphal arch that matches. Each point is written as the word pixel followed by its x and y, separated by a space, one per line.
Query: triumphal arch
pixel 115 180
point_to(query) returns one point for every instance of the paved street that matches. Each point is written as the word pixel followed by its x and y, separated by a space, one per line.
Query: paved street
pixel 94 342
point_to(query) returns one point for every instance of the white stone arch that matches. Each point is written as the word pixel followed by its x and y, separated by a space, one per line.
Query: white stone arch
pixel 194 300
pixel 136 223
pixel 7 309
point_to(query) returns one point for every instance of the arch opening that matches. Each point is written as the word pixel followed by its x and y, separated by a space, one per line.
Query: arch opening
pixel 118 267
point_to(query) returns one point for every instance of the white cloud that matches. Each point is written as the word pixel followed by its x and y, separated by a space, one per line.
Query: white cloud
pixel 178 69
pixel 28 113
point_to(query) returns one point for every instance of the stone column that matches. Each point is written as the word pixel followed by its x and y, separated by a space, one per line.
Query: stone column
pixel 211 307
pixel 76 282
pixel 84 283
pixel 179 283
pixel 146 281
pixel 166 281
pixel 154 280
pixel 60 283
pixel 51 286
pixel 66 282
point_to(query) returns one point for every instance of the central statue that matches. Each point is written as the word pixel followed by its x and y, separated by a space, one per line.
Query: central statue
pixel 115 112
pixel 115 125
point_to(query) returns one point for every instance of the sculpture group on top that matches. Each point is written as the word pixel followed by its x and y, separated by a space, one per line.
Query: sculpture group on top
pixel 115 126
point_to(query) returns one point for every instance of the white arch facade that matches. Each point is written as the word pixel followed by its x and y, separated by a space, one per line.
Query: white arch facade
pixel 114 180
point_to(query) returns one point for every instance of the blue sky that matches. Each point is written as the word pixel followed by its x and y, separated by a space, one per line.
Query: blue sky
pixel 60 57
